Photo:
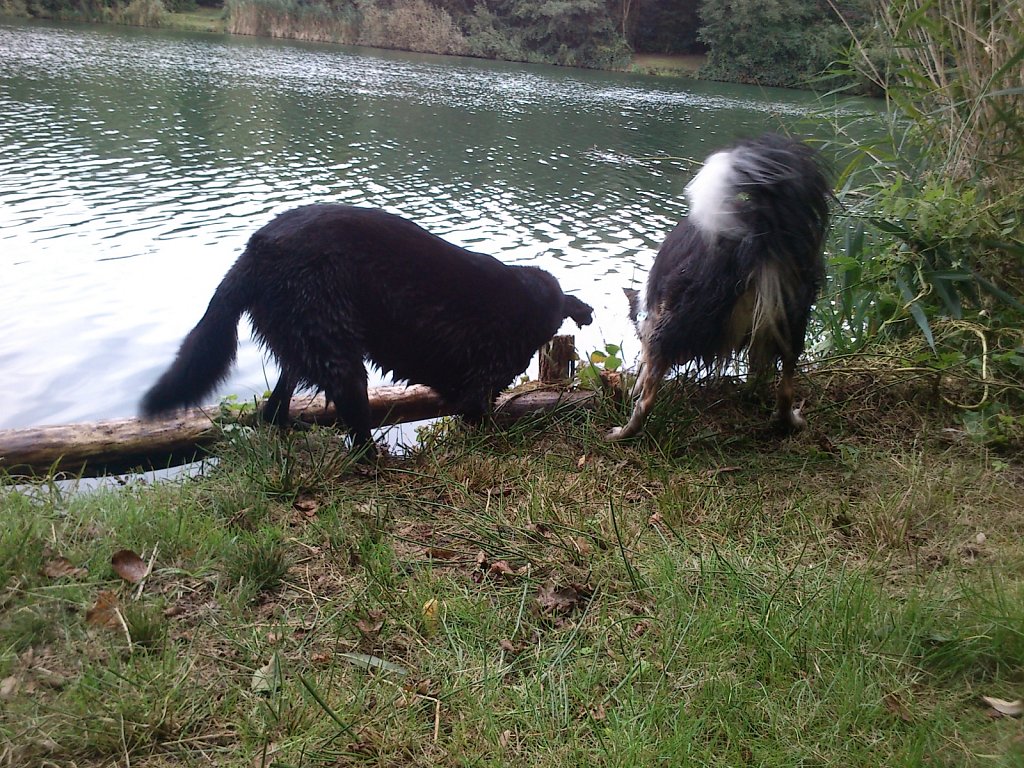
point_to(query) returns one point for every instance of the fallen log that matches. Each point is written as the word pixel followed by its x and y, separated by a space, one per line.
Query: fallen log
pixel 124 445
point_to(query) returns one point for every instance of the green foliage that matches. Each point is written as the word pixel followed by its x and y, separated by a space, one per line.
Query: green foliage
pixel 664 26
pixel 778 42
pixel 292 19
pixel 411 25
pixel 607 359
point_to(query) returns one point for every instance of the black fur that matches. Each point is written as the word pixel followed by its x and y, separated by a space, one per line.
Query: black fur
pixel 327 286
pixel 748 281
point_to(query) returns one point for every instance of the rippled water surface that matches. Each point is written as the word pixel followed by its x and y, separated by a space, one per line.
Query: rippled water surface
pixel 134 165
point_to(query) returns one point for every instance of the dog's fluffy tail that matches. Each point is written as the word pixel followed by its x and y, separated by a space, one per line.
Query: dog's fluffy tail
pixel 207 353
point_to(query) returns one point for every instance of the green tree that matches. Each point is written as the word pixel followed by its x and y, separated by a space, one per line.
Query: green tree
pixel 662 26
pixel 771 42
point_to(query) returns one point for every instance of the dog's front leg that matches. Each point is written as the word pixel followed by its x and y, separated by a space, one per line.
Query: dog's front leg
pixel 645 390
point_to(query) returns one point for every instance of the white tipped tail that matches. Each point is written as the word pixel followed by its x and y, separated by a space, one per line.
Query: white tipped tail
pixel 712 197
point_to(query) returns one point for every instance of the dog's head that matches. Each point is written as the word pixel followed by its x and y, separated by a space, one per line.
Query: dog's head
pixel 582 314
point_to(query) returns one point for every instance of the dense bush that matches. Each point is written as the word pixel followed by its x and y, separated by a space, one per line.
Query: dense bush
pixel 411 25
pixel 771 42
pixel 290 19
pixel 933 250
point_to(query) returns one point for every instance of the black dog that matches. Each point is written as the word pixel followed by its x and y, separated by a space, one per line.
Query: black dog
pixel 329 285
pixel 740 272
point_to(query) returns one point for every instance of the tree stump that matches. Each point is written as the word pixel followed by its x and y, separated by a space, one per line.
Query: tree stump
pixel 558 360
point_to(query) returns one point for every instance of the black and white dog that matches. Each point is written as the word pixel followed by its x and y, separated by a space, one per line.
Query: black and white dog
pixel 740 272
pixel 327 286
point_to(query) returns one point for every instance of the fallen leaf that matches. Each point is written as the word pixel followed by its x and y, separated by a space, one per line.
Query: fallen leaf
pixel 129 566
pixel 440 553
pixel 640 628
pixel 321 657
pixel 372 624
pixel 307 505
pixel 267 678
pixel 430 617
pixel 61 567
pixel 501 568
pixel 539 530
pixel 583 546
pixel 8 687
pixel 104 612
pixel 720 470
pixel 894 704
pixel 508 646
pixel 367 661
pixel 1006 708
pixel 419 687
pixel 561 601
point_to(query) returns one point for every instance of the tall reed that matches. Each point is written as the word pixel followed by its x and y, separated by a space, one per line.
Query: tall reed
pixel 290 19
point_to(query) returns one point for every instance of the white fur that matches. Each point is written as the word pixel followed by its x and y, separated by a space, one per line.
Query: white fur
pixel 712 195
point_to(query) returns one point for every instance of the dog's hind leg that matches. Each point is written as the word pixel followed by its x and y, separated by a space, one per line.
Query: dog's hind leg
pixel 645 390
pixel 275 410
pixel 788 416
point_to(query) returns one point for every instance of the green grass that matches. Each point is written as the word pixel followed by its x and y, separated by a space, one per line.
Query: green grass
pixel 712 593
pixel 198 20
pixel 667 64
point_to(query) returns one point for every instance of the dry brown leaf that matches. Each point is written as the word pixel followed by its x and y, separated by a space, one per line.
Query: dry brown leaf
pixel 321 657
pixel 267 678
pixel 720 470
pixel 895 704
pixel 501 568
pixel 1005 708
pixel 307 506
pixel 8 687
pixel 104 612
pixel 554 600
pixel 640 628
pixel 440 553
pixel 61 567
pixel 372 624
pixel 509 647
pixel 129 566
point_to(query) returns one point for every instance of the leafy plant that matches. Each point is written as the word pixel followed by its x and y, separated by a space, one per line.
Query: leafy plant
pixel 599 360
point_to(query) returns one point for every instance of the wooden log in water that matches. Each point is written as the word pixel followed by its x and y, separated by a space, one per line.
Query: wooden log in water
pixel 122 445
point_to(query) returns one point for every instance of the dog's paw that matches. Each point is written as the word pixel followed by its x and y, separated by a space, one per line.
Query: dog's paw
pixel 793 420
pixel 614 434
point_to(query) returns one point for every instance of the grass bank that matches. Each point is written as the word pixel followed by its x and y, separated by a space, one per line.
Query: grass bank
pixel 713 593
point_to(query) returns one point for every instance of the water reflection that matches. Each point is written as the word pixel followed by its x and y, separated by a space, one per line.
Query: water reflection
pixel 136 163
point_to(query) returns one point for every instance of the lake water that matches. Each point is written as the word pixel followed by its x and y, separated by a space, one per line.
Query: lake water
pixel 135 163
